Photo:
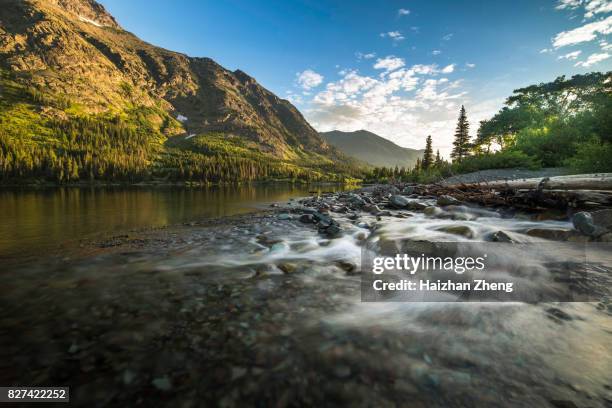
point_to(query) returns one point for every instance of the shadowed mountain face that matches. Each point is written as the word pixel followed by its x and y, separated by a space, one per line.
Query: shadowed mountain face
pixel 372 149
pixel 75 49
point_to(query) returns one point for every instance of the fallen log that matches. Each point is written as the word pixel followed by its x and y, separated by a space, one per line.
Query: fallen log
pixel 597 181
pixel 577 191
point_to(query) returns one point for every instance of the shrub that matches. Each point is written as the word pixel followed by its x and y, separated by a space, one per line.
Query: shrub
pixel 592 156
pixel 498 160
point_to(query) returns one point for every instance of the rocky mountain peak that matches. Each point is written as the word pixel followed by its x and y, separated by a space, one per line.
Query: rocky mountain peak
pixel 89 11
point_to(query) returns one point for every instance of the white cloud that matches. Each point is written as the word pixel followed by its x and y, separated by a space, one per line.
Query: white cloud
pixel 436 52
pixel 596 7
pixel 361 55
pixel 389 63
pixel 593 59
pixel 568 4
pixel 394 35
pixel 404 104
pixel 591 7
pixel 605 46
pixel 570 55
pixel 545 51
pixel 309 79
pixel 448 37
pixel 585 33
pixel 470 65
pixel 448 69
pixel 403 12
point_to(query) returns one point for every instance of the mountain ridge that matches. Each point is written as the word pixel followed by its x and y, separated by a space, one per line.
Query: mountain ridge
pixel 75 51
pixel 371 148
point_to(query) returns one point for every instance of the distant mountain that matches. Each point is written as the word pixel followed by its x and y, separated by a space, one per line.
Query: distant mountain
pixel 66 64
pixel 371 148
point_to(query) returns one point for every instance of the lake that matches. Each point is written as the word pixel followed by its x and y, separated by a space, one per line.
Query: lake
pixel 32 220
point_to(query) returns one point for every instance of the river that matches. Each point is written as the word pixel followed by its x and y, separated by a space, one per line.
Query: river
pixel 32 220
pixel 266 309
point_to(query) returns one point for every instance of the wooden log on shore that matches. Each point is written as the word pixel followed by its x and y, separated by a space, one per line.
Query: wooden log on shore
pixel 577 191
pixel 597 181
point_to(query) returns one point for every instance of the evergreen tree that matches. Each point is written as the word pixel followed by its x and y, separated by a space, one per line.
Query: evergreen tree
pixel 461 145
pixel 438 159
pixel 428 159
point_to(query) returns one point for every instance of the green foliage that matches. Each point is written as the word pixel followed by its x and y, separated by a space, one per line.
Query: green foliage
pixel 592 156
pixel 550 122
pixel 461 144
pixel 498 160
pixel 428 157
pixel 68 145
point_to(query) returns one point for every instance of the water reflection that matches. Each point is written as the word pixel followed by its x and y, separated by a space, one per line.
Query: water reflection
pixel 37 219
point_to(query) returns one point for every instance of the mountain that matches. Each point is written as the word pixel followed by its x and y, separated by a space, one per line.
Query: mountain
pixel 372 149
pixel 66 64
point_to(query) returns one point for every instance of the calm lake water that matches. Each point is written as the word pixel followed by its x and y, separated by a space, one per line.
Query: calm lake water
pixel 34 220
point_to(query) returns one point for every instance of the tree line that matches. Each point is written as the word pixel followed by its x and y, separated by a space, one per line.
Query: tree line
pixel 565 122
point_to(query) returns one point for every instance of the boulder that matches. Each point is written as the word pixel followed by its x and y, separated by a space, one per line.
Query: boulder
pixel 583 222
pixel 398 201
pixel 501 236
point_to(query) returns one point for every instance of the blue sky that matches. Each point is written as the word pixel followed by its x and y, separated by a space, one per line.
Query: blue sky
pixel 398 68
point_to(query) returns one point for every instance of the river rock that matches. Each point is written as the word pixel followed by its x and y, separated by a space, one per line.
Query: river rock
pixel 333 231
pixel 444 200
pixel 323 220
pixel 307 218
pixel 415 205
pixel 372 209
pixel 162 384
pixel 462 230
pixel 408 190
pixel 501 236
pixel 554 234
pixel 284 216
pixel 398 201
pixel 603 219
pixel 432 211
pixel 356 201
pixel 287 267
pixel 583 222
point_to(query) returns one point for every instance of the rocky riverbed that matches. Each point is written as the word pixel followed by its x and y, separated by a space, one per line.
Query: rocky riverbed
pixel 265 309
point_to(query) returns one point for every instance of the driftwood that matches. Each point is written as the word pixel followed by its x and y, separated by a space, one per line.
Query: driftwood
pixel 600 181
pixel 579 191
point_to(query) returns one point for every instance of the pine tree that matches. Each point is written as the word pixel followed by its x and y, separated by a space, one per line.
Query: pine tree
pixel 461 145
pixel 428 158
pixel 438 158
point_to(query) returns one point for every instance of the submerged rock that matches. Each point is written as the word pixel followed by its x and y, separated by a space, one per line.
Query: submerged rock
pixel 462 230
pixel 162 384
pixel 432 211
pixel 554 234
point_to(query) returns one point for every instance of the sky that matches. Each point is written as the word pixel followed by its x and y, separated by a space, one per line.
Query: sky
pixel 401 69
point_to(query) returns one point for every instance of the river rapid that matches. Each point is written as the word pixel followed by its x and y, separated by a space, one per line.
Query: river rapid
pixel 265 309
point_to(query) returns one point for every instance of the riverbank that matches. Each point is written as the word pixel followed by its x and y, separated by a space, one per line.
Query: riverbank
pixel 265 308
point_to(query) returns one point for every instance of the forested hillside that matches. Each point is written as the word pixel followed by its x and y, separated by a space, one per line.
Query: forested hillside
pixel 81 99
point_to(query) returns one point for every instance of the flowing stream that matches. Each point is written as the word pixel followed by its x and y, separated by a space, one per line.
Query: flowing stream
pixel 263 309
